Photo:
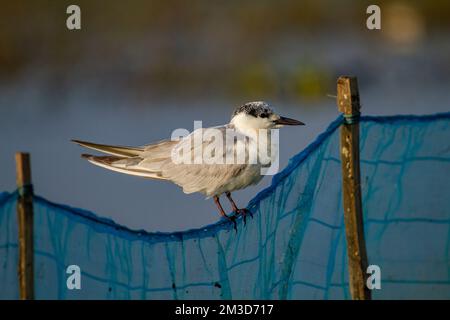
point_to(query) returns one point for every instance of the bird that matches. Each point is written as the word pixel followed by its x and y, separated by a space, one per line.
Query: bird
pixel 212 179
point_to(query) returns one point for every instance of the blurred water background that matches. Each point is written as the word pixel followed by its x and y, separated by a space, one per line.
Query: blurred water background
pixel 139 69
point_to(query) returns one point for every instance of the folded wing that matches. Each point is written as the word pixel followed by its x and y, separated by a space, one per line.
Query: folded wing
pixel 127 160
pixel 155 161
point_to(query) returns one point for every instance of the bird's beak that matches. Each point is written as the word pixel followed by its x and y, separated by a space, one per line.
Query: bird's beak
pixel 289 122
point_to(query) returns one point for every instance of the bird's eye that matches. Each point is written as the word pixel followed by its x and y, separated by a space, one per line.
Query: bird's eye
pixel 264 115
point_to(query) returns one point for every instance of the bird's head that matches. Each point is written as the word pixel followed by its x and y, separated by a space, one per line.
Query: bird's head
pixel 259 115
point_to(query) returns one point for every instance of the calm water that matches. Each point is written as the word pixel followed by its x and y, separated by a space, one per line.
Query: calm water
pixel 60 175
pixel 41 116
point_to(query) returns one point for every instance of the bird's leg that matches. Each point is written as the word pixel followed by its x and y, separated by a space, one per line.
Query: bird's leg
pixel 237 210
pixel 223 214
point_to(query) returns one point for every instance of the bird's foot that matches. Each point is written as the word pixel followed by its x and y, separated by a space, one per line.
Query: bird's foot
pixel 233 220
pixel 244 213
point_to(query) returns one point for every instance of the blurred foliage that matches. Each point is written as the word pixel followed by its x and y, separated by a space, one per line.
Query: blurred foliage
pixel 181 47
pixel 310 82
pixel 256 80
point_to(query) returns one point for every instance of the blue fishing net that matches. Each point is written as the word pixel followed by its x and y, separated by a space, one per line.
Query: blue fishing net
pixel 293 248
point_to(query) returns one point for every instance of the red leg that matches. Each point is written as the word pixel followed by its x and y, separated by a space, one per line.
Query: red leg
pixel 236 209
pixel 222 212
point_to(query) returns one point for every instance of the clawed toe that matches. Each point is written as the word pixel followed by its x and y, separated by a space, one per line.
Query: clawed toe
pixel 233 220
pixel 248 212
pixel 244 213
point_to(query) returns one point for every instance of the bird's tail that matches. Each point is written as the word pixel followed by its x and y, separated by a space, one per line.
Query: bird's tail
pixel 120 151
pixel 127 165
pixel 120 159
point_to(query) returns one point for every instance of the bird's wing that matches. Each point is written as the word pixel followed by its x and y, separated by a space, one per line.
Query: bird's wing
pixel 155 161
pixel 128 159
pixel 207 178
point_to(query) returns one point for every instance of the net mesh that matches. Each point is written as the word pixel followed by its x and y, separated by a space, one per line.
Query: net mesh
pixel 293 248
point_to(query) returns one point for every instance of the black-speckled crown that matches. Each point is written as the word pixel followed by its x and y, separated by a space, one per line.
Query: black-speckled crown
pixel 259 109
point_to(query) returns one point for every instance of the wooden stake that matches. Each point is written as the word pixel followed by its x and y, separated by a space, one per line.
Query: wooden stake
pixel 25 224
pixel 348 103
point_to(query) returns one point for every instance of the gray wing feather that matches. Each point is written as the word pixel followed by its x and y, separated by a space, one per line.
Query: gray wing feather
pixel 155 161
pixel 210 179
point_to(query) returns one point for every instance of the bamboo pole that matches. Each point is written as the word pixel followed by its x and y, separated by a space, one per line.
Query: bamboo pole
pixel 348 104
pixel 25 224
